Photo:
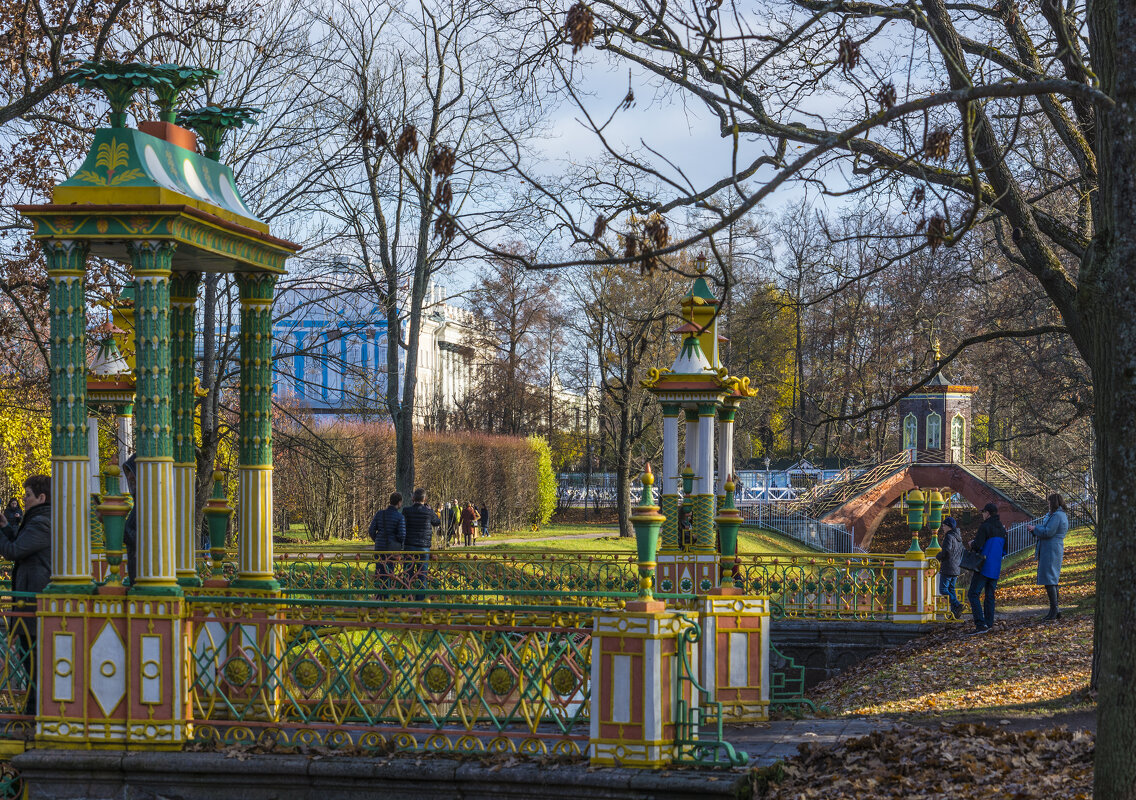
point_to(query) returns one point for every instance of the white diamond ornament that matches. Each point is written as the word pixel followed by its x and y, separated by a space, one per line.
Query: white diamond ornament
pixel 108 669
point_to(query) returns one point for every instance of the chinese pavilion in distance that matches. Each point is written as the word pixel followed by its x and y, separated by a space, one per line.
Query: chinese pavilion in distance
pixel 698 387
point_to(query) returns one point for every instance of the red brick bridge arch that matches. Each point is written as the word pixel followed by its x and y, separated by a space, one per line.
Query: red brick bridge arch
pixel 864 512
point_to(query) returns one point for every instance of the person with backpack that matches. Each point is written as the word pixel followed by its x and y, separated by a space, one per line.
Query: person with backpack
pixel 989 546
pixel 388 532
pixel 950 557
pixel 1050 532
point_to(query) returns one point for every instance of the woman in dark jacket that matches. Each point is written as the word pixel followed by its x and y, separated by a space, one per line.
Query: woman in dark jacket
pixel 991 543
pixel 14 513
pixel 949 560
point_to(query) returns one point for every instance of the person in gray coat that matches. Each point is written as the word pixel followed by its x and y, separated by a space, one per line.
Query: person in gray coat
pixel 950 559
pixel 1050 532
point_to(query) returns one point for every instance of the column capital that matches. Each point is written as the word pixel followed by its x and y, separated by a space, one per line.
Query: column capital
pixel 726 413
pixel 151 256
pixel 691 414
pixel 670 409
pixel 256 287
pixel 183 287
pixel 66 256
pixel 707 409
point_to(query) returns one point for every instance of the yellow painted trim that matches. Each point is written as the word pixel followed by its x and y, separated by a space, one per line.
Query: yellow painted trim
pixel 65 273
pixel 144 196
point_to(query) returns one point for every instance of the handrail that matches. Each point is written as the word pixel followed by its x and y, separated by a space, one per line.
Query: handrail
pixel 840 494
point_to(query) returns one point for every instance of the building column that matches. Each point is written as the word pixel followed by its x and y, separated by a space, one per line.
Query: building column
pixel 703 521
pixel 125 434
pixel 668 499
pixel 690 447
pixel 183 327
pixel 70 468
pixel 725 447
pixel 93 452
pixel 254 540
pixel 151 262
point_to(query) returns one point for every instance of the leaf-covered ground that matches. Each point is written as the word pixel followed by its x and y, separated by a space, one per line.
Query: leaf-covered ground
pixel 961 762
pixel 1078 575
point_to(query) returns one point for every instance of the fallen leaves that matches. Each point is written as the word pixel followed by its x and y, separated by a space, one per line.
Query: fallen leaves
pixel 961 762
pixel 1025 665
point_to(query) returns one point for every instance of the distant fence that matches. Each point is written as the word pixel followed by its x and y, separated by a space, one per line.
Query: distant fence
pixel 1019 539
pixel 822 536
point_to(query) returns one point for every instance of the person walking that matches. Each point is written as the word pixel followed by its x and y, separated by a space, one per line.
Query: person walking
pixel 950 558
pixel 468 517
pixel 388 532
pixel 991 544
pixel 28 546
pixel 130 530
pixel 421 520
pixel 14 513
pixel 450 530
pixel 1050 532
pixel 484 513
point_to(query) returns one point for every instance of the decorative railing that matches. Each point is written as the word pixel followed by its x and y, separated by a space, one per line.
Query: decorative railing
pixel 823 587
pixel 699 736
pixel 16 674
pixel 603 579
pixel 379 677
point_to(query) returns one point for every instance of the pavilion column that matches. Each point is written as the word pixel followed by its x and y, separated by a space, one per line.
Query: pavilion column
pixel 70 468
pixel 725 447
pixel 151 262
pixel 668 501
pixel 183 297
pixel 125 434
pixel 254 558
pixel 690 449
pixel 703 522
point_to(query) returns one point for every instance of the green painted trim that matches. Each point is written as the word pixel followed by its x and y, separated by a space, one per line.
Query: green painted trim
pixel 670 409
pixel 263 584
pixel 707 409
pixel 67 305
pixel 152 346
pixel 156 591
pixel 255 445
pixel 190 583
pixel 726 413
pixel 70 588
pixel 691 414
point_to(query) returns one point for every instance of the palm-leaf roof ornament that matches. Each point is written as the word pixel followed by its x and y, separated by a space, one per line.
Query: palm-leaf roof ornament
pixel 119 82
pixel 180 79
pixel 213 122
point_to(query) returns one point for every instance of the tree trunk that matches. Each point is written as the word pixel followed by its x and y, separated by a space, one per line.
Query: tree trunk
pixel 623 473
pixel 1109 308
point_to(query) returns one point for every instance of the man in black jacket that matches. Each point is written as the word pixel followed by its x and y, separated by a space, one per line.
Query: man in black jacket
pixel 29 548
pixel 388 532
pixel 421 520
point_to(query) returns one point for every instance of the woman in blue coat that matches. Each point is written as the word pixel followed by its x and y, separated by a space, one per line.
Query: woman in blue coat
pixel 1050 531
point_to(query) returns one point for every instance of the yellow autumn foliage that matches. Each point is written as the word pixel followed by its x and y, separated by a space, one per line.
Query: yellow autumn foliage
pixel 25 442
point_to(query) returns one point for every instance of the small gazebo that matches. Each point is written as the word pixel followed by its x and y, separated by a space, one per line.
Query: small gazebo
pixel 700 388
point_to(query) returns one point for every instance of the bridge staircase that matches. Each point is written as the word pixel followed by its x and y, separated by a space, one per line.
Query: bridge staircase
pixel 826 497
pixel 1020 489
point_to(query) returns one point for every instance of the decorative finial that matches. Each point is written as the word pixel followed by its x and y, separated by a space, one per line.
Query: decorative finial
pixel 647 478
pixel 700 263
pixel 936 350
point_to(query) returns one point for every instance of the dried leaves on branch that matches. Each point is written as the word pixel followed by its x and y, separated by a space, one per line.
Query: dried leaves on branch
pixel 961 762
pixel 579 25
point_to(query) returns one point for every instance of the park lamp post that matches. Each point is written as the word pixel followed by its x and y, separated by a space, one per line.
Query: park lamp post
pixel 646 520
pixel 934 521
pixel 217 513
pixel 729 519
pixel 915 503
pixel 113 511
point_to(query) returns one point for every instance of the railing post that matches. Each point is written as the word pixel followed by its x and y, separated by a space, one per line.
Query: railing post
pixel 634 668
pixel 913 591
pixel 735 653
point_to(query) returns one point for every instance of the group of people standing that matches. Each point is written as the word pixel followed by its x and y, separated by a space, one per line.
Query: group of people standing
pixel 469 520
pixel 983 559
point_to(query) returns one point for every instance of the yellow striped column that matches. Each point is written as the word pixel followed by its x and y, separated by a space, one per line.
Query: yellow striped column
pixel 70 469
pixel 254 477
pixel 151 262
pixel 183 297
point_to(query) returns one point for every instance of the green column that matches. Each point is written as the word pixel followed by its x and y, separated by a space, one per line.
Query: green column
pixel 183 298
pixel 254 514
pixel 151 262
pixel 70 470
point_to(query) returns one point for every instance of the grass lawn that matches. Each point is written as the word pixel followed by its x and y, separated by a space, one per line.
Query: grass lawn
pixel 1021 668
